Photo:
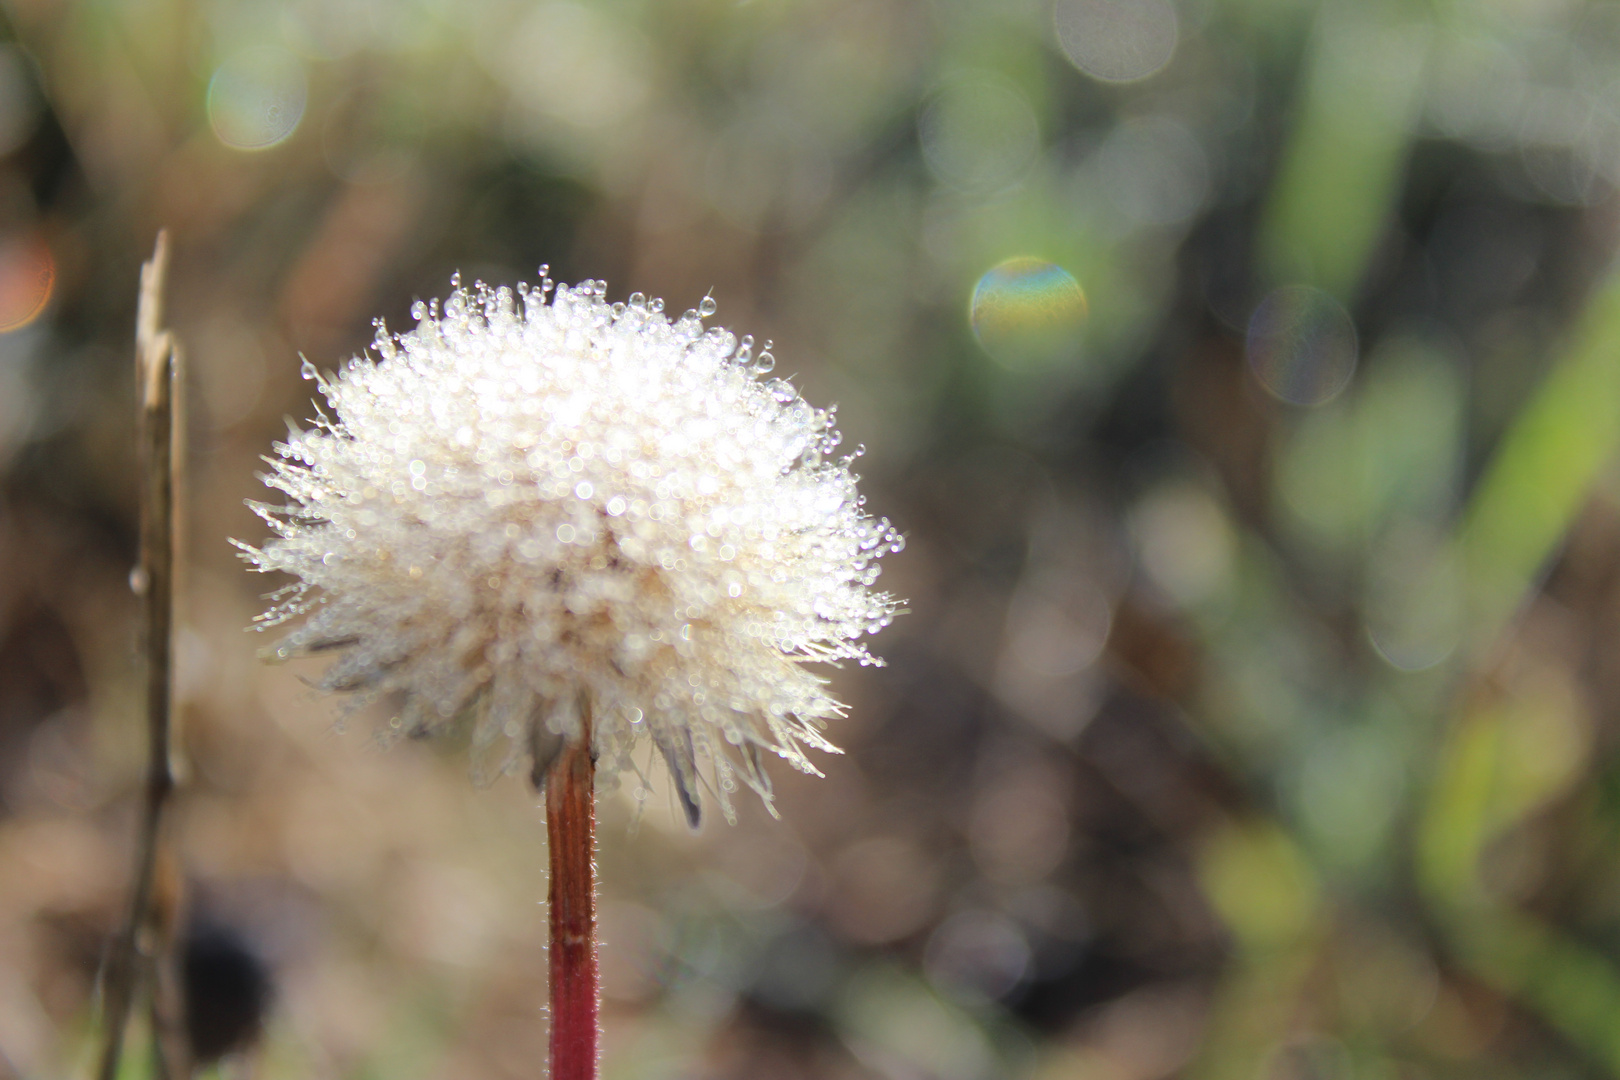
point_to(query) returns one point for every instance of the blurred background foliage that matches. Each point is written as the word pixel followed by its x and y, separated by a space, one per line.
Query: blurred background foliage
pixel 1246 375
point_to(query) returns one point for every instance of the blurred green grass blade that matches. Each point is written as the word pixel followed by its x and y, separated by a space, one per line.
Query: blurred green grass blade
pixel 1488 780
pixel 1543 469
pixel 1574 989
pixel 1271 902
pixel 1342 168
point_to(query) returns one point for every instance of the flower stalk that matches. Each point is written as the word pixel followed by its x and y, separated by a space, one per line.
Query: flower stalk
pixel 570 833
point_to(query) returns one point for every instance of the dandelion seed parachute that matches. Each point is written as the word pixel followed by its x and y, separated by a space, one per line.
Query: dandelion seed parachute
pixel 538 503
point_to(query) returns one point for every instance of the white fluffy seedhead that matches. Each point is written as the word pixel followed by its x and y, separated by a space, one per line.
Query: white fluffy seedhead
pixel 536 506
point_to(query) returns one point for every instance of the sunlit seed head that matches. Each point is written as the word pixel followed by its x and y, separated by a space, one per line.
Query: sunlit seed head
pixel 538 509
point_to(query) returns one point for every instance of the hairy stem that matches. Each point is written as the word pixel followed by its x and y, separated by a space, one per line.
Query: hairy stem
pixel 570 827
pixel 155 384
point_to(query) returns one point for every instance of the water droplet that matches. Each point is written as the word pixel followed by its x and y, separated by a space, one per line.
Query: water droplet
pixel 306 370
pixel 455 279
pixel 766 362
pixel 657 305
pixel 782 390
pixel 707 306
pixel 638 301
pixel 745 350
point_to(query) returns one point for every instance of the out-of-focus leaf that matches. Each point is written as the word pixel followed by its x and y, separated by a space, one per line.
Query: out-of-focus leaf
pixel 1576 989
pixel 1390 449
pixel 1261 886
pixel 1498 763
pixel 1343 165
pixel 1543 469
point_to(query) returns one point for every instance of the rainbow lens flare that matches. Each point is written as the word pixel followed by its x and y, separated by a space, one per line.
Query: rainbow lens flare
pixel 1028 313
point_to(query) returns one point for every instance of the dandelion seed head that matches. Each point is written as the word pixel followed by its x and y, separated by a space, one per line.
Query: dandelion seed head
pixel 536 504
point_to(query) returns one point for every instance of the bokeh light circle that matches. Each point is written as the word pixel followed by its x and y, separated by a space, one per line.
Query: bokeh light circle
pixel 1153 171
pixel 27 279
pixel 257 98
pixel 978 134
pixel 1412 599
pixel 1301 345
pixel 1027 312
pixel 1116 41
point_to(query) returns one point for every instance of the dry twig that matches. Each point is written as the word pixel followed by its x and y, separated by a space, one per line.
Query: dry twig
pixel 156 387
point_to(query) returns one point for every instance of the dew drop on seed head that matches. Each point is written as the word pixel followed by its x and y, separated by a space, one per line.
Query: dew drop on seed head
pixel 707 307
pixel 419 311
pixel 657 305
pixel 765 363
pixel 745 350
pixel 638 301
pixel 306 370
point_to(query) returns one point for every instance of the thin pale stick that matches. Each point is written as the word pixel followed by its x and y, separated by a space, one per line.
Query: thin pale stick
pixel 155 390
pixel 570 829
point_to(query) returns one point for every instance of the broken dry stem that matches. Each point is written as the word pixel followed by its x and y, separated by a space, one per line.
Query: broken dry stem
pixel 156 384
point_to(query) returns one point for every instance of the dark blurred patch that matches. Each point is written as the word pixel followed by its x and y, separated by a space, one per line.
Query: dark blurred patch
pixel 227 986
pixel 521 216
pixel 937 716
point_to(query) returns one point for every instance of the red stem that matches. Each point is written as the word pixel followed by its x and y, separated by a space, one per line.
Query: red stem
pixel 570 823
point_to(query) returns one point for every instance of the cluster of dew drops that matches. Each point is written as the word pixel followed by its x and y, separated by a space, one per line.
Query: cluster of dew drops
pixel 873 537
